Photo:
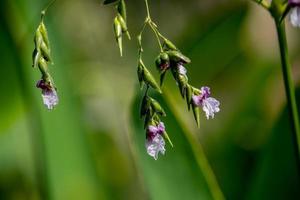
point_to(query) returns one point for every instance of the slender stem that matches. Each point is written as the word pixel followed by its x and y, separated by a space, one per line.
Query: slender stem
pixel 289 87
pixel 156 35
pixel 147 8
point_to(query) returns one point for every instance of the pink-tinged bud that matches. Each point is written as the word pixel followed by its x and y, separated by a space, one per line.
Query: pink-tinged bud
pixel 49 94
pixel 155 142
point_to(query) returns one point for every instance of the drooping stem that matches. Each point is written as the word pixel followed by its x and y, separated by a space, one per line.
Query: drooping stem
pixel 289 88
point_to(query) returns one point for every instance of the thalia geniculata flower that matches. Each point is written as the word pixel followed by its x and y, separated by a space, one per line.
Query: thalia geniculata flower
pixel 209 104
pixel 49 94
pixel 155 142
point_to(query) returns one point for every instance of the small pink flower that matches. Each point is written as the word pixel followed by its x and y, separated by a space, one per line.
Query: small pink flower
pixel 209 104
pixel 49 94
pixel 155 142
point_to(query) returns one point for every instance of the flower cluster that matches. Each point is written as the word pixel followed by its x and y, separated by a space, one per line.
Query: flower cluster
pixel 120 22
pixel 169 59
pixel 41 58
pixel 172 59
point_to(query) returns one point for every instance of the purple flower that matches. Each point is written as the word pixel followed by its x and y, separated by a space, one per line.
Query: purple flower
pixel 295 12
pixel 155 142
pixel 209 104
pixel 49 94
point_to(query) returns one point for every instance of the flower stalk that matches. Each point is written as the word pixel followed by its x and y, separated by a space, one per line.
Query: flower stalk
pixel 289 85
pixel 279 10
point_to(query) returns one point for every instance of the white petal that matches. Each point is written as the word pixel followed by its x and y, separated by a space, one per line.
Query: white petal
pixel 210 106
pixel 50 99
pixel 182 70
pixel 155 146
pixel 295 16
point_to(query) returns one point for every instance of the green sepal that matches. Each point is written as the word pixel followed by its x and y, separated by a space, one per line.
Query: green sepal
pixel 188 96
pixel 169 44
pixel 35 57
pixel 109 1
pixel 38 39
pixel 45 52
pixel 42 64
pixel 149 79
pixel 122 9
pixel 182 83
pixel 176 56
pixel 44 33
pixel 196 112
pixel 118 34
pixel 157 107
pixel 123 25
pixel 166 136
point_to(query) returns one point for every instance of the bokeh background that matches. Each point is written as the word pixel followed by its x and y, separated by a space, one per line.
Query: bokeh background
pixel 91 146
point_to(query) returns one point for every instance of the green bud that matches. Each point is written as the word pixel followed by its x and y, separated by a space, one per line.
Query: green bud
pixel 118 34
pixel 35 57
pixel 157 107
pixel 123 25
pixel 196 112
pixel 38 39
pixel 148 78
pixel 122 9
pixel 176 56
pixel 164 57
pixel 169 44
pixel 44 33
pixel 43 67
pixel 182 83
pixel 45 52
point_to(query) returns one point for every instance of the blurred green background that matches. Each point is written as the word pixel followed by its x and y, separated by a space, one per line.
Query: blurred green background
pixel 91 146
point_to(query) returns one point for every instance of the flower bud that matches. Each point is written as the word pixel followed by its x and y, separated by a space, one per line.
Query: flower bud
pixel 169 45
pixel 157 107
pixel 123 25
pixel 118 34
pixel 176 57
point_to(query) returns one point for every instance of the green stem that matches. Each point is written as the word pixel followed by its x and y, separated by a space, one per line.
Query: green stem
pixel 43 13
pixel 289 87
